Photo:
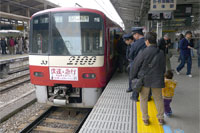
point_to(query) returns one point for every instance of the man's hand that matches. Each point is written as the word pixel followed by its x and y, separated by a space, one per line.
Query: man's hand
pixel 189 47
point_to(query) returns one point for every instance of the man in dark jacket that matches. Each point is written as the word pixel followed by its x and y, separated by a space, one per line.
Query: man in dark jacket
pixel 121 50
pixel 153 76
pixel 185 51
pixel 138 45
pixel 3 45
pixel 128 38
pixel 164 44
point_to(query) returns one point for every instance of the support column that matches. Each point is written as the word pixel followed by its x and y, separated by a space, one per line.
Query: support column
pixel 8 8
pixel 28 12
pixel 45 6
pixel 159 30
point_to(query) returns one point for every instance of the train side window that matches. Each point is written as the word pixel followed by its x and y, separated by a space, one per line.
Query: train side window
pixel 112 35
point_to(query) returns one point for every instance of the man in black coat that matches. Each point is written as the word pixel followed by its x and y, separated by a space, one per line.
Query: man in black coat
pixel 153 76
pixel 136 47
pixel 164 44
pixel 3 45
pixel 128 39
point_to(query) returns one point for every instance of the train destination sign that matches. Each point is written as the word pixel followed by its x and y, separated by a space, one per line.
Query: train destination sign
pixel 78 18
pixel 68 74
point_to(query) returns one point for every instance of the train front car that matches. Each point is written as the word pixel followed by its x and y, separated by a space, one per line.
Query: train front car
pixel 68 56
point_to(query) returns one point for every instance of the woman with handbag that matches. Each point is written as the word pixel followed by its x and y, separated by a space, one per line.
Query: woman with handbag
pixel 148 72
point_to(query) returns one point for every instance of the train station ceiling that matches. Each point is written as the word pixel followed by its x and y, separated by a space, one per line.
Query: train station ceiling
pixel 23 9
pixel 135 12
pixel 131 11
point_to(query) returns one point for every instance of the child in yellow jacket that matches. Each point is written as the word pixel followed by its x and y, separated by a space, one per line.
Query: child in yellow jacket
pixel 168 92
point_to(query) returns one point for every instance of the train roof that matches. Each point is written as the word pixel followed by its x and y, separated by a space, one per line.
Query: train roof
pixel 60 9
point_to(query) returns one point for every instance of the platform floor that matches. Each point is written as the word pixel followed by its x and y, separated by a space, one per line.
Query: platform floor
pixel 11 58
pixel 116 113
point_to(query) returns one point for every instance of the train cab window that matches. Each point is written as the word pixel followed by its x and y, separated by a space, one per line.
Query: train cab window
pixel 40 34
pixel 75 33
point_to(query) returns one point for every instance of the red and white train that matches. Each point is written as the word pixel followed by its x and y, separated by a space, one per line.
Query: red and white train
pixel 72 55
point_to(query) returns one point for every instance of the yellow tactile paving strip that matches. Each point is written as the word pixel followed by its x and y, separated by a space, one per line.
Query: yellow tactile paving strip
pixel 154 126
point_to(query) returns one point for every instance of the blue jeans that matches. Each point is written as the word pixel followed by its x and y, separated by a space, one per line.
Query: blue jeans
pixel 184 59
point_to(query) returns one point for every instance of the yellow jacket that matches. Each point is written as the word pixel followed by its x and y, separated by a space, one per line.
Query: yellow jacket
pixel 168 91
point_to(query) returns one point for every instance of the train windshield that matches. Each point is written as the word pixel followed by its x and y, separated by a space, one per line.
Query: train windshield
pixel 40 34
pixel 77 33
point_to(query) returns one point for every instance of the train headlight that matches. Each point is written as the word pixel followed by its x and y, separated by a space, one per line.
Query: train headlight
pixel 38 74
pixel 89 76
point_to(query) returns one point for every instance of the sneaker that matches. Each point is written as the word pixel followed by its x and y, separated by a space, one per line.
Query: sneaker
pixel 161 121
pixel 168 114
pixel 146 122
pixel 178 73
pixel 190 75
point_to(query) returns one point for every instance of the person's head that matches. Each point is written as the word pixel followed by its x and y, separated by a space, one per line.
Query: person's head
pixel 137 32
pixel 188 34
pixel 128 39
pixel 181 36
pixel 166 37
pixel 169 74
pixel 150 38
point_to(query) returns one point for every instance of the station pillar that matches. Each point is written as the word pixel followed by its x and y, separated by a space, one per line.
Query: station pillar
pixel 159 30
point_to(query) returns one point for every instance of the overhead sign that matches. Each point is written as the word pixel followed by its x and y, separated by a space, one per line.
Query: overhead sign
pixel 183 10
pixel 159 16
pixel 163 5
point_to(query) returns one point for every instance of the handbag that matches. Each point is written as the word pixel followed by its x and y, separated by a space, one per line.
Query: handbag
pixel 138 83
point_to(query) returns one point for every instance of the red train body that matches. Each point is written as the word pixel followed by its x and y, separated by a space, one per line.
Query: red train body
pixel 72 55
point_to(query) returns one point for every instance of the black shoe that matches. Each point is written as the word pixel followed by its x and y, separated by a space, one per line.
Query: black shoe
pixel 129 90
pixel 136 100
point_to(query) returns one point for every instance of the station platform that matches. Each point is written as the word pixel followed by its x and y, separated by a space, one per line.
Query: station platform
pixel 13 63
pixel 4 59
pixel 114 112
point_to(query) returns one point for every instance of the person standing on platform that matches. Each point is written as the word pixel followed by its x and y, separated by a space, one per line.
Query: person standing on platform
pixel 150 64
pixel 198 52
pixel 12 45
pixel 121 50
pixel 20 45
pixel 3 45
pixel 180 38
pixel 168 92
pixel 164 44
pixel 136 47
pixel 27 44
pixel 128 38
pixel 185 51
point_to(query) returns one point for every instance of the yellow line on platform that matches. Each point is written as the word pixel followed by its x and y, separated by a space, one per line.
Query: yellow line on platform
pixel 154 126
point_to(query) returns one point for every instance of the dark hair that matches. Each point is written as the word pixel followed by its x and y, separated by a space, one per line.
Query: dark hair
pixel 169 74
pixel 151 37
pixel 188 32
pixel 181 36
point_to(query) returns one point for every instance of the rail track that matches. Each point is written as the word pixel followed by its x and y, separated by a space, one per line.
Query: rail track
pixel 58 120
pixel 14 81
